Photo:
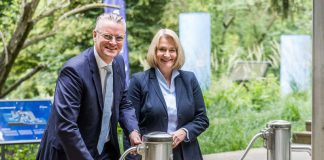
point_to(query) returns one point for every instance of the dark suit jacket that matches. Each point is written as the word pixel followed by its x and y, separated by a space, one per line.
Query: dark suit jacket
pixel 145 93
pixel 75 122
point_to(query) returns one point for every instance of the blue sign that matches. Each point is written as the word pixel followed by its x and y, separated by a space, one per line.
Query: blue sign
pixel 23 120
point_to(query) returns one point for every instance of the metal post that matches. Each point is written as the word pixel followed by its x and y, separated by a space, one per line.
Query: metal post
pixel 277 136
pixel 278 141
pixel 318 81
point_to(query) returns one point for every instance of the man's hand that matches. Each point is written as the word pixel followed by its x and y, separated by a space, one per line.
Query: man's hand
pixel 135 138
pixel 178 136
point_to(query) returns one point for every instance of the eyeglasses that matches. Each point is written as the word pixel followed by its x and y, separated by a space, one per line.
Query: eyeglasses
pixel 164 50
pixel 110 37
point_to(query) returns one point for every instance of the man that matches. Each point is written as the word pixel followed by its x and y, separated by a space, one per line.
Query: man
pixel 84 96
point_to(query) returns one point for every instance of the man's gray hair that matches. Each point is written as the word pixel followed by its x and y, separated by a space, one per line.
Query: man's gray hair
pixel 113 17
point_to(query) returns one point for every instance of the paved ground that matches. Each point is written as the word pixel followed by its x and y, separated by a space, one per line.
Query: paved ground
pixel 254 154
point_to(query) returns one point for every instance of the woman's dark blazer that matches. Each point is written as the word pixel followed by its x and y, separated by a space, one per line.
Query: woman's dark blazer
pixel 151 110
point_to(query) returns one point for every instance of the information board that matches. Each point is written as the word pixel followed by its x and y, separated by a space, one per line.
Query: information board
pixel 23 121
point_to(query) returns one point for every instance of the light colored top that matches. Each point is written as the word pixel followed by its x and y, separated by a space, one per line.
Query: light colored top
pixel 170 98
pixel 102 71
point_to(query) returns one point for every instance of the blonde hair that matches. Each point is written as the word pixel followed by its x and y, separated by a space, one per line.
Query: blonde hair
pixel 151 53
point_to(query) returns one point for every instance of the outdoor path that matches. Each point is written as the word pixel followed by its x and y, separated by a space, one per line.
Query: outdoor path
pixel 253 154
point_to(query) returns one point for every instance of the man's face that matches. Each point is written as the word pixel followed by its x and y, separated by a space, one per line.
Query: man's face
pixel 108 40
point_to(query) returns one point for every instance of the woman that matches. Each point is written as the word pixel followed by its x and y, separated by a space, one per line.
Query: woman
pixel 168 99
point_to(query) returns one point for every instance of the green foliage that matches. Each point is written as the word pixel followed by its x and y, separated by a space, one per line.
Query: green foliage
pixel 294 105
pixel 8 15
pixel 237 34
pixel 241 30
pixel 52 52
pixel 143 21
pixel 239 111
pixel 21 152
pixel 253 95
pixel 291 112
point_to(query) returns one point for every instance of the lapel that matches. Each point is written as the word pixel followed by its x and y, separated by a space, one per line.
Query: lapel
pixel 180 90
pixel 157 89
pixel 95 76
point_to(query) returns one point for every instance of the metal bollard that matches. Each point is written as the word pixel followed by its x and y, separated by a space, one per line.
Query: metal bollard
pixel 277 136
pixel 155 146
pixel 278 140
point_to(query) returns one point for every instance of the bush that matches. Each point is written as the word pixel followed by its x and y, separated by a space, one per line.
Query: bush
pixel 238 111
pixel 20 152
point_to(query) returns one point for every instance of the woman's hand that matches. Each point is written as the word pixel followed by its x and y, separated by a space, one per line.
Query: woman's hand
pixel 135 139
pixel 178 136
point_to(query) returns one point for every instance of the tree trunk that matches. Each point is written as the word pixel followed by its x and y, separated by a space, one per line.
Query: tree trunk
pixel 19 39
pixel 24 26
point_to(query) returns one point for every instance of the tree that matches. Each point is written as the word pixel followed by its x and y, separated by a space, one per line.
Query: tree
pixel 48 18
pixel 243 30
pixel 143 21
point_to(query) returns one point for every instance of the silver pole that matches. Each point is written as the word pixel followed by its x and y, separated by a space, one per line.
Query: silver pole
pixel 278 141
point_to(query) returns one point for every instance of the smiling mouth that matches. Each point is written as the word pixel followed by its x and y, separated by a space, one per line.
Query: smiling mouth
pixel 111 49
pixel 166 60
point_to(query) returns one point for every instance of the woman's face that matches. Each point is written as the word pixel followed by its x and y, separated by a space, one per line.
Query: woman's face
pixel 166 54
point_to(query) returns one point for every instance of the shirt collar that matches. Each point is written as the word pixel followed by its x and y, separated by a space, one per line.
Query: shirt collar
pixel 161 78
pixel 100 62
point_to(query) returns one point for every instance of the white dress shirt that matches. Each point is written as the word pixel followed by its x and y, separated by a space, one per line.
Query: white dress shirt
pixel 169 95
pixel 102 71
